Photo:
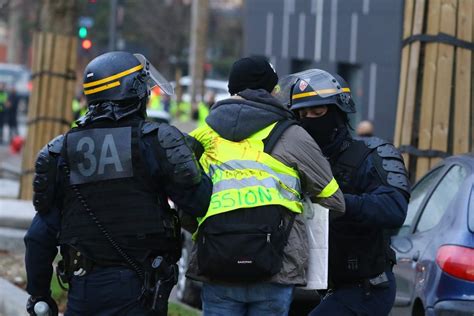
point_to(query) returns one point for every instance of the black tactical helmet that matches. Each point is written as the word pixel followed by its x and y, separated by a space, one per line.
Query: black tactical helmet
pixel 316 87
pixel 114 76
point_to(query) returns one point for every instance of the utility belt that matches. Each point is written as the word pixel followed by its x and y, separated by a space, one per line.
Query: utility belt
pixel 159 276
pixel 75 263
pixel 378 282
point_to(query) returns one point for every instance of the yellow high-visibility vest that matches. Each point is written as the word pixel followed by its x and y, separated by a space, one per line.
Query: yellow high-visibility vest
pixel 244 176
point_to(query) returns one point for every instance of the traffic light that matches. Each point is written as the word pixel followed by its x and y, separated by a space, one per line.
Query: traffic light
pixel 86 44
pixel 82 32
pixel 85 24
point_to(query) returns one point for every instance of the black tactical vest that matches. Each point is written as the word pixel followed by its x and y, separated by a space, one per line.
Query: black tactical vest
pixel 106 164
pixel 356 252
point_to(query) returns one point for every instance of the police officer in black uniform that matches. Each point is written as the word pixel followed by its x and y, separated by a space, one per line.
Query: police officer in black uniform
pixel 101 193
pixel 372 175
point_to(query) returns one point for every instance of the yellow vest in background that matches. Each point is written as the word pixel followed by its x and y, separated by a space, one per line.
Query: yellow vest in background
pixel 203 112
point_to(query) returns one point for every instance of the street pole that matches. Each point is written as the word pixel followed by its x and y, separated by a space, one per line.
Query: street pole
pixel 14 48
pixel 112 25
pixel 197 55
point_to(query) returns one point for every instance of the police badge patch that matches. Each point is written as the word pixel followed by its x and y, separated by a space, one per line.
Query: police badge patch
pixel 303 85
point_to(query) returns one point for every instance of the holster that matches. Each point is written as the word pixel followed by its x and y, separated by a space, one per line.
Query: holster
pixel 158 283
pixel 72 263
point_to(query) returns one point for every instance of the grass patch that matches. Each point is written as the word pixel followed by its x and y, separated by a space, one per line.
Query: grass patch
pixel 175 309
pixel 58 294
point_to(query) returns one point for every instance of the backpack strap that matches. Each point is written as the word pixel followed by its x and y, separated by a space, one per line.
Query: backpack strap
pixel 271 140
pixel 269 143
pixel 288 229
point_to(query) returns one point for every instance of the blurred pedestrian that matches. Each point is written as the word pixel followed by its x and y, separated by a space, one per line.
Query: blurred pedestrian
pixel 3 109
pixel 203 108
pixel 79 107
pixel 154 102
pixel 376 189
pixel 252 247
pixel 12 113
pixel 365 129
pixel 166 101
pixel 101 193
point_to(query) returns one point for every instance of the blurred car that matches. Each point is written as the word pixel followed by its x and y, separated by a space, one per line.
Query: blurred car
pixel 218 87
pixel 158 116
pixel 435 245
pixel 18 76
pixel 187 291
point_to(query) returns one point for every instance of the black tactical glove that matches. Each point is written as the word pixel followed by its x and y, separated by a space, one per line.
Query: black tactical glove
pixel 32 300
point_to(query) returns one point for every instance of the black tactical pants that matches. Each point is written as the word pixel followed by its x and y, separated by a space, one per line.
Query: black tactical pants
pixel 355 301
pixel 105 291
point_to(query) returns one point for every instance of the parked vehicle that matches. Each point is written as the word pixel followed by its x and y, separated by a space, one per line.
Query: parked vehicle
pixel 187 291
pixel 435 246
pixel 158 116
pixel 218 87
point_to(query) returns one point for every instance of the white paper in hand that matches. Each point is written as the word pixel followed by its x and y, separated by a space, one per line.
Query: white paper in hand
pixel 317 227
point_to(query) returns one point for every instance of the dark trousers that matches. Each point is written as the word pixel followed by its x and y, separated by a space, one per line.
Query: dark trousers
pixel 355 300
pixel 12 114
pixel 105 292
pixel 2 121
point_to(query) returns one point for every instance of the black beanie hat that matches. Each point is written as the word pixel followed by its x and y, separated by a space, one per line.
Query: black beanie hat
pixel 252 73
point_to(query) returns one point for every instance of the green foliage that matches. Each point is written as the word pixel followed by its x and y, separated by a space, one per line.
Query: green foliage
pixel 176 309
pixel 58 294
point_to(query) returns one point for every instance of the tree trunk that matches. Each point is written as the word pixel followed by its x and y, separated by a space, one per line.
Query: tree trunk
pixel 54 78
pixel 197 56
pixel 14 54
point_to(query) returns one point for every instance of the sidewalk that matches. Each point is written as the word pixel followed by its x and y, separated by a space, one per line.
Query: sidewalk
pixel 12 300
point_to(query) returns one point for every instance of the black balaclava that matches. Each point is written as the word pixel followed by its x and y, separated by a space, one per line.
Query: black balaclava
pixel 322 128
pixel 329 130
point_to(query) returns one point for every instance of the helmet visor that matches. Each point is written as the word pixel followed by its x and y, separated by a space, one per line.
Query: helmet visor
pixel 321 83
pixel 154 77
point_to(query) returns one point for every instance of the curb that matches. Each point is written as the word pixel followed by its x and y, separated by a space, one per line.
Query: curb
pixel 13 299
pixel 11 240
pixel 16 213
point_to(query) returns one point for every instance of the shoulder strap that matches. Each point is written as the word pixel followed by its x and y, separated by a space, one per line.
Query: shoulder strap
pixel 271 140
pixel 355 154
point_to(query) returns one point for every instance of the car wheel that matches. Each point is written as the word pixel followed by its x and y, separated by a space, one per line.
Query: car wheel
pixel 186 291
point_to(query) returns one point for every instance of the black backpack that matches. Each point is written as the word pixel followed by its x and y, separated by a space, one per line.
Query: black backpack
pixel 246 245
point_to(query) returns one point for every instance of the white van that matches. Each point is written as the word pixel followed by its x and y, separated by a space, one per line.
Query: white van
pixel 219 87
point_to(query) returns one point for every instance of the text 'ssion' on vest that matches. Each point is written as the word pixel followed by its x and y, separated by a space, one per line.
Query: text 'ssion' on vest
pixel 106 164
pixel 244 176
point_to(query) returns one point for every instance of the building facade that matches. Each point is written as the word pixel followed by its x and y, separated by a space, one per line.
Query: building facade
pixel 359 39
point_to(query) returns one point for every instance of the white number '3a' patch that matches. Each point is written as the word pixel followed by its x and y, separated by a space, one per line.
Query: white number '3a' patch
pixel 100 154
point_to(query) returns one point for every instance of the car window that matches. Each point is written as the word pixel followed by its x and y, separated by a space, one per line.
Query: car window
pixel 471 211
pixel 420 190
pixel 441 198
